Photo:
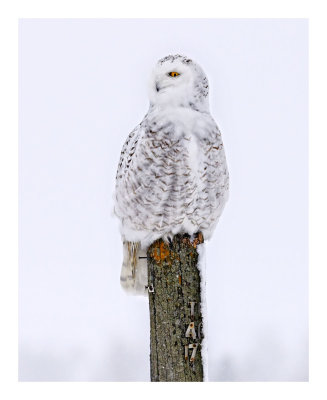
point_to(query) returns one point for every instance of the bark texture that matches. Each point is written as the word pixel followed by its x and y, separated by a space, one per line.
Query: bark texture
pixel 175 310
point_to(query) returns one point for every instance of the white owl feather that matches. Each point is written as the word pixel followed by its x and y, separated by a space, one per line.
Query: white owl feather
pixel 172 175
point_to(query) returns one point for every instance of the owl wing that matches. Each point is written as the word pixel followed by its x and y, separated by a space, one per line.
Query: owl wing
pixel 133 277
pixel 213 180
pixel 127 153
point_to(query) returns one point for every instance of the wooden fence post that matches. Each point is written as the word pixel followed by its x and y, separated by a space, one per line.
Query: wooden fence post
pixel 175 310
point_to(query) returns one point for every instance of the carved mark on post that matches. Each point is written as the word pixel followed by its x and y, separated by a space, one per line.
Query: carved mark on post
pixel 194 347
pixel 190 331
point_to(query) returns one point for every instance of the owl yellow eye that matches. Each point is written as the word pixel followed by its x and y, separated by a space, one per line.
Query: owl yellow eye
pixel 173 74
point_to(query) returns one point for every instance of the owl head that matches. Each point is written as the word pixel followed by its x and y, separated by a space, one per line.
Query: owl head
pixel 178 81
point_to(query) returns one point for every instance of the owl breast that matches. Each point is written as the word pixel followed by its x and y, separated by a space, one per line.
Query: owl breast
pixel 172 177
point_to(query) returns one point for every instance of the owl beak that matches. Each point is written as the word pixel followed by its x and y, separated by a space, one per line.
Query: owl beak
pixel 157 87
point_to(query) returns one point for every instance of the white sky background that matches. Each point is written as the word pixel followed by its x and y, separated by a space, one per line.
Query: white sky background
pixel 83 88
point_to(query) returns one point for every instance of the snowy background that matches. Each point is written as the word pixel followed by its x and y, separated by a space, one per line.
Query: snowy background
pixel 83 88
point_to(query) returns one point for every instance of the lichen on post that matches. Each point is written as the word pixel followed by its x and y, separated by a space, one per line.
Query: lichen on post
pixel 175 310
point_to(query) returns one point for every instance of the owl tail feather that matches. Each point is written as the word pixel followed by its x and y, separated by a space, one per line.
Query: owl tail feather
pixel 134 276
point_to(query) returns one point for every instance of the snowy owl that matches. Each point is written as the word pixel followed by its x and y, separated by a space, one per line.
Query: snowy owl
pixel 172 175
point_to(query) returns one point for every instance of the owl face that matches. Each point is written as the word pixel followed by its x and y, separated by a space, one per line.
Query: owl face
pixel 178 81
